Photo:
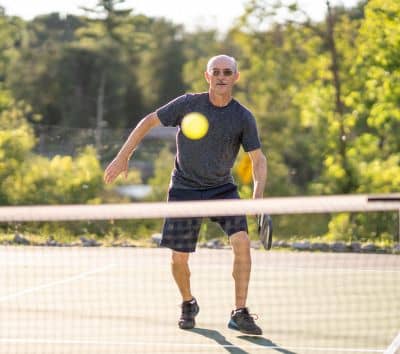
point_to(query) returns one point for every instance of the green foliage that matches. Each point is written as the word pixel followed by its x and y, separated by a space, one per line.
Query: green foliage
pixel 61 180
pixel 371 122
pixel 380 176
pixel 11 37
pixel 325 96
pixel 366 227
pixel 26 178
pixel 164 59
pixel 376 95
pixel 198 48
pixel 113 64
pixel 375 98
pixel 162 174
pixel 16 140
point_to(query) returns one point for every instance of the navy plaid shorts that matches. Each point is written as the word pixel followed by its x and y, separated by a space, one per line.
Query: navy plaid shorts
pixel 181 234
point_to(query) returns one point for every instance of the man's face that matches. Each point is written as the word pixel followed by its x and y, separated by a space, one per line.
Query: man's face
pixel 221 76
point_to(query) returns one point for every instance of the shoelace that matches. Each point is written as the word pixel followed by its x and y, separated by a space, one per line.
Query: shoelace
pixel 251 316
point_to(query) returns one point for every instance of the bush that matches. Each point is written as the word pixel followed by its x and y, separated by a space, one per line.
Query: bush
pixel 61 180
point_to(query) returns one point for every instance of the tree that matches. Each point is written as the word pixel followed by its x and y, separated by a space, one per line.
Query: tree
pixel 373 109
pixel 161 66
pixel 16 140
pixel 314 85
pixel 374 98
pixel 103 71
pixel 112 31
pixel 271 61
pixel 11 38
pixel 26 178
pixel 162 174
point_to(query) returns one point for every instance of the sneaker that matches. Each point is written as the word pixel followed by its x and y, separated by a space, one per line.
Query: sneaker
pixel 242 321
pixel 189 311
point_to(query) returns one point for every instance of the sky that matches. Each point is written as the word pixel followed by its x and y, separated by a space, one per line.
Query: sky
pixel 218 14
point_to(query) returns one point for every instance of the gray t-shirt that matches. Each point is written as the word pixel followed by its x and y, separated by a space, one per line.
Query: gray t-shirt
pixel 207 162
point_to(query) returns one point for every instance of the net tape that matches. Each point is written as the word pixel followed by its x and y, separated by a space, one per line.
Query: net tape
pixel 272 206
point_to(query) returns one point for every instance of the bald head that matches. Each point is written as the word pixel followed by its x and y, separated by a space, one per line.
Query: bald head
pixel 224 60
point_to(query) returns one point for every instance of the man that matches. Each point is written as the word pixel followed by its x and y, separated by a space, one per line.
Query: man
pixel 203 171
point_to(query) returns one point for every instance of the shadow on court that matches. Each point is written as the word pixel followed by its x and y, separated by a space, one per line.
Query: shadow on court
pixel 220 339
pixel 268 344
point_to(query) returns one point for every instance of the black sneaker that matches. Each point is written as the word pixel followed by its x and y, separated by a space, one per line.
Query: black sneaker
pixel 242 321
pixel 189 311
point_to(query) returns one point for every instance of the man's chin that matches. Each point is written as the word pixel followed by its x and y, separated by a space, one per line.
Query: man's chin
pixel 223 90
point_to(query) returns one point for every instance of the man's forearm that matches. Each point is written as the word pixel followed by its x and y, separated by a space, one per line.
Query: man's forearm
pixel 137 134
pixel 259 177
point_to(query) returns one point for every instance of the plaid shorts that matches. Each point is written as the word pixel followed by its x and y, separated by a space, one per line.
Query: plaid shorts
pixel 181 234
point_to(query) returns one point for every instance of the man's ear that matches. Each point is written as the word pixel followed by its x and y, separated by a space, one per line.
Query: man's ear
pixel 207 76
pixel 237 74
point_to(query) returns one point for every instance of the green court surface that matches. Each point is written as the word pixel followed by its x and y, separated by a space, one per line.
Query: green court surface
pixel 124 300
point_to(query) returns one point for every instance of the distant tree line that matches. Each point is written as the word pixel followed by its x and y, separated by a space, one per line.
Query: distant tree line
pixel 326 94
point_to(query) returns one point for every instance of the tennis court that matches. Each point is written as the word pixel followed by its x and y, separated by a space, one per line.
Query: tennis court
pixel 124 300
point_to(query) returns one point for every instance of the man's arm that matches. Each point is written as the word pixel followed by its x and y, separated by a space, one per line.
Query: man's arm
pixel 259 165
pixel 120 162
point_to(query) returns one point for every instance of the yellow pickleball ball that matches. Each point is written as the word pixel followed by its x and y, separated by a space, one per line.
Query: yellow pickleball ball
pixel 194 125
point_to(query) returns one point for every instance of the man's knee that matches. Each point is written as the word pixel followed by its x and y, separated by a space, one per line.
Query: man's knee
pixel 240 241
pixel 180 257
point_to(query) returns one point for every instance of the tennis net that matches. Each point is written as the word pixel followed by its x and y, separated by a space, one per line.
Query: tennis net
pixel 311 294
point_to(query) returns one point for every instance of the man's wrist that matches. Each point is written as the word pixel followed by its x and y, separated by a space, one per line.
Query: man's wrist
pixel 123 156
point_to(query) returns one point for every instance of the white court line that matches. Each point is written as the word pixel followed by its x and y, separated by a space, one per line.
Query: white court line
pixel 53 283
pixel 174 344
pixel 394 347
pixel 337 270
pixel 308 269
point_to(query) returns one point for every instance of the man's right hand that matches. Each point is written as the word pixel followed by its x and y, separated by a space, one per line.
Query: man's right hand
pixel 115 168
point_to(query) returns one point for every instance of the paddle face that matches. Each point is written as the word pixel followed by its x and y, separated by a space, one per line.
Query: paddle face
pixel 265 230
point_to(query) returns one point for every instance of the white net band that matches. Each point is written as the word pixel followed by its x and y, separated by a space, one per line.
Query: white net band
pixel 273 206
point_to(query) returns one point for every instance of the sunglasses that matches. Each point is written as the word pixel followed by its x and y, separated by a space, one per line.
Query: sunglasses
pixel 225 72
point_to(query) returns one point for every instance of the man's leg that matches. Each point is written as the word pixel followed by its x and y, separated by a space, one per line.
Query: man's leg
pixel 241 319
pixel 181 273
pixel 241 266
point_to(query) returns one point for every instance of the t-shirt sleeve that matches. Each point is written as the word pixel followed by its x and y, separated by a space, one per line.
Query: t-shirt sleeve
pixel 250 138
pixel 171 113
